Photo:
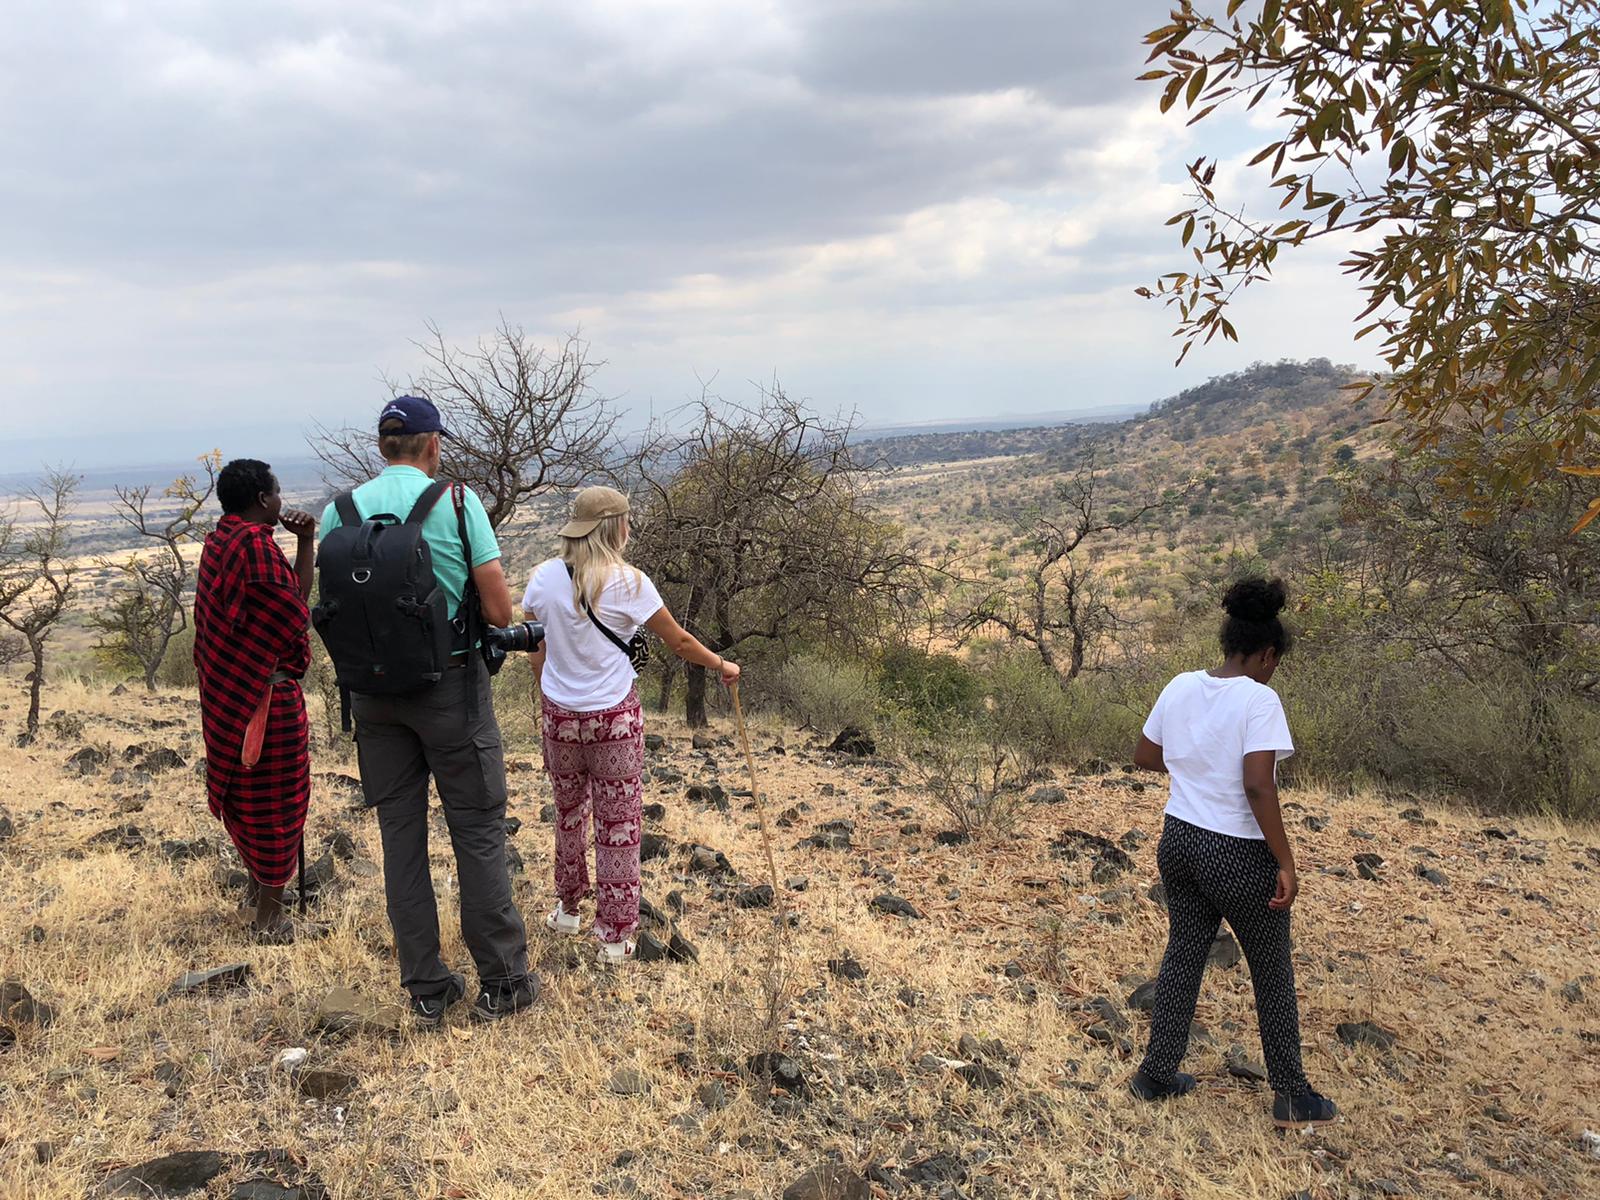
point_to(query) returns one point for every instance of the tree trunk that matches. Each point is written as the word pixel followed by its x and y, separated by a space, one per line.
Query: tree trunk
pixel 150 677
pixel 37 684
pixel 669 676
pixel 694 696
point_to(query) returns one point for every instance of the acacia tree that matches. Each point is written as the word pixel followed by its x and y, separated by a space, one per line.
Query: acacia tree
pixel 1462 137
pixel 148 605
pixel 36 577
pixel 758 528
pixel 525 420
pixel 1060 610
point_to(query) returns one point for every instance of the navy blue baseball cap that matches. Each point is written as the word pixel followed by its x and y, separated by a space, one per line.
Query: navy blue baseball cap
pixel 411 414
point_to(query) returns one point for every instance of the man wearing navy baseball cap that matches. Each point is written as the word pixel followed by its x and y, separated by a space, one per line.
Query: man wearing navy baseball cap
pixel 447 731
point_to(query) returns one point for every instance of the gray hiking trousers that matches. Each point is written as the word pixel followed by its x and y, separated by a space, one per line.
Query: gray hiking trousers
pixel 401 741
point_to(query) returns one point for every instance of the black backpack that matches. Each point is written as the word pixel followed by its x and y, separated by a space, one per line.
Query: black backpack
pixel 381 613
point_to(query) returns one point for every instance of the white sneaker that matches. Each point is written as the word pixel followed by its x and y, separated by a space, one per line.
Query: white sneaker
pixel 614 954
pixel 559 920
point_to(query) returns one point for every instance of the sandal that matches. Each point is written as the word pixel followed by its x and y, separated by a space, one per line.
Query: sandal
pixel 614 954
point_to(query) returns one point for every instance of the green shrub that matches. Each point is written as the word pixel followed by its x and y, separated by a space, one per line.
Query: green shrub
pixel 177 665
pixel 930 688
pixel 827 693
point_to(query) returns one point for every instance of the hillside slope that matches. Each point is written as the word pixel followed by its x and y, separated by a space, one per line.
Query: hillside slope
pixel 1035 940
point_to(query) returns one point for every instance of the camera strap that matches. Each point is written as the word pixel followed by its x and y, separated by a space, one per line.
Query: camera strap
pixel 468 614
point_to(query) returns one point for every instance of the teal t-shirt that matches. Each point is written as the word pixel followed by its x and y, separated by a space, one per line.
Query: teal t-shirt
pixel 395 491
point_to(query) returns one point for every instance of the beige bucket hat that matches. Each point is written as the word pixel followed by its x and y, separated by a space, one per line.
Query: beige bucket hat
pixel 593 505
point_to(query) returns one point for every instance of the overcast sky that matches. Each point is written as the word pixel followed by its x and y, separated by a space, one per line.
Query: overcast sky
pixel 226 220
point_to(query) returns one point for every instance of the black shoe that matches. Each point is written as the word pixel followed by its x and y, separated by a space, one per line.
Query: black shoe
pixel 1142 1086
pixel 504 999
pixel 1305 1111
pixel 430 1010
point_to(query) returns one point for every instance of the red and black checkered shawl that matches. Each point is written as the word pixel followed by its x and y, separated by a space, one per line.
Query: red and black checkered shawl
pixel 249 622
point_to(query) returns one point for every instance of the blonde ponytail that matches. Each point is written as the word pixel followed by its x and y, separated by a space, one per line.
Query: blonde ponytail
pixel 595 557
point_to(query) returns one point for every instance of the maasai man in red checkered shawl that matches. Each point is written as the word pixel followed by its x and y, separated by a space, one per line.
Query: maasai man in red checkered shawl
pixel 251 646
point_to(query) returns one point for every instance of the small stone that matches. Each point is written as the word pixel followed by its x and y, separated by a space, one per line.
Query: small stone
pixel 854 741
pixel 780 1069
pixel 649 948
pixel 713 1095
pixel 179 1174
pixel 1048 795
pixel 760 896
pixel 980 1075
pixel 343 846
pixel 703 860
pixel 44 1152
pixel 681 949
pixel 547 814
pixel 828 1181
pixel 653 846
pixel 18 1006
pixel 1415 815
pixel 217 979
pixel 952 837
pixel 1224 950
pixel 894 906
pixel 88 760
pixel 1013 970
pixel 797 883
pixel 1143 997
pixel 628 1081
pixel 1241 1067
pixel 654 742
pixel 1572 991
pixel 1108 1014
pixel 1430 875
pixel 847 968
pixel 654 812
pixel 266 1189
pixel 343 1010
pixel 162 758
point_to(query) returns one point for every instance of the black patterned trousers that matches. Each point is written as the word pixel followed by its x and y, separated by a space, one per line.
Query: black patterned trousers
pixel 1209 876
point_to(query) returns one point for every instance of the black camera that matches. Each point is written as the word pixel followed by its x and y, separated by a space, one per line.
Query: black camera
pixel 526 636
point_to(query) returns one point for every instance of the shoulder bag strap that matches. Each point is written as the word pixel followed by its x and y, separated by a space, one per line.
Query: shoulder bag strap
pixel 471 615
pixel 598 624
pixel 426 501
pixel 345 505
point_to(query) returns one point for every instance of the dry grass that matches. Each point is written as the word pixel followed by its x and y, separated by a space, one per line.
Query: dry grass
pixel 1470 976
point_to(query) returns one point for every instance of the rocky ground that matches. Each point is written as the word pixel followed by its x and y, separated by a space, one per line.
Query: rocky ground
pixel 957 1018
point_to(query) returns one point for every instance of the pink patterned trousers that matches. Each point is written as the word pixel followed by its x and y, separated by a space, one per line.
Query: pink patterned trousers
pixel 595 760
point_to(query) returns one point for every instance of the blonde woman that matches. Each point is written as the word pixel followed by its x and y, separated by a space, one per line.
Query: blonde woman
pixel 592 604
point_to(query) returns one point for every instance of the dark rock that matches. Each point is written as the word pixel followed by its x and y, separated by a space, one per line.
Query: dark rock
pixel 1158 894
pixel 952 837
pixel 88 760
pixel 703 741
pixel 713 1094
pixel 547 814
pixel 1365 1033
pixel 1369 859
pixel 1368 872
pixel 1224 951
pixel 18 1006
pixel 217 979
pixel 270 1189
pixel 1432 876
pixel 780 1070
pixel 1143 997
pixel 180 1174
pixel 1315 824
pixel 1048 795
pixel 676 902
pixel 1110 859
pixel 894 906
pixel 649 948
pixel 162 758
pixel 855 741
pixel 513 826
pixel 44 1152
pixel 1094 766
pixel 1013 970
pixel 34 934
pixel 1109 1014
pixel 118 837
pixel 653 846
pixel 1363 835
pixel 911 828
pixel 980 1075
pixel 1496 835
pixel 828 1181
pixel 1133 839
pixel 938 1169
pixel 323 1084
pixel 1572 991
pixel 654 812
pixel 8 829
pixel 847 968
pixel 177 851
pixel 650 913
pixel 343 846
pixel 827 839
pixel 703 860
pixel 760 896
pixel 681 949
pixel 1240 1067
pixel 713 794
pixel 654 742
pixel 322 873
pixel 1415 815
pixel 628 1081
pixel 514 863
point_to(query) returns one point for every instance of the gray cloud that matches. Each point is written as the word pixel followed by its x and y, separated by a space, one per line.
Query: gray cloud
pixel 217 211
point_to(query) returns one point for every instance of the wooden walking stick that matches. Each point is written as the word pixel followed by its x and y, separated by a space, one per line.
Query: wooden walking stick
pixel 780 923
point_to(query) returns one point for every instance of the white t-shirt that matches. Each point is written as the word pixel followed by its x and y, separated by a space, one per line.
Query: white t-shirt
pixel 583 670
pixel 1205 726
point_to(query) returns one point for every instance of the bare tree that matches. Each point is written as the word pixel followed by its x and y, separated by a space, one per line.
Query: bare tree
pixel 757 526
pixel 1061 610
pixel 149 606
pixel 525 420
pixel 36 577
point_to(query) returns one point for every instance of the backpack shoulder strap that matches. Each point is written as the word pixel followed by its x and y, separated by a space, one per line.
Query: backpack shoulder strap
pixel 345 505
pixel 598 624
pixel 426 501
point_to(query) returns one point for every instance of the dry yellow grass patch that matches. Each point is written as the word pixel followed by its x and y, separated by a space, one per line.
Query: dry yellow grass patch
pixel 1493 1081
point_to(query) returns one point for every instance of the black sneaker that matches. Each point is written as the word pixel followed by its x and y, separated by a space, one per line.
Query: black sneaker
pixel 1305 1111
pixel 430 1010
pixel 504 999
pixel 1142 1086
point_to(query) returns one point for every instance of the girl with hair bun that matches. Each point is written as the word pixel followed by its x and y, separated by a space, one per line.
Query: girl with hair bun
pixel 1220 734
